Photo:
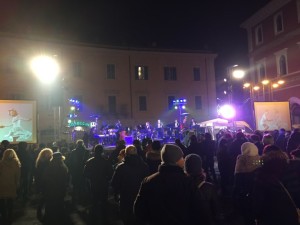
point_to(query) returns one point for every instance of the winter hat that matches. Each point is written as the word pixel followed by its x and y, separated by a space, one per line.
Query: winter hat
pixel 170 154
pixel 249 149
pixel 193 164
pixel 130 150
pixel 57 156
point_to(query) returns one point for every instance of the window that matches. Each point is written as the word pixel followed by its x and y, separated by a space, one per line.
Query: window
pixel 141 72
pixel 281 62
pixel 282 65
pixel 170 73
pixel 112 104
pixel 170 102
pixel 278 23
pixel 258 35
pixel 111 72
pixel 77 69
pixel 198 102
pixel 260 70
pixel 142 103
pixel 196 71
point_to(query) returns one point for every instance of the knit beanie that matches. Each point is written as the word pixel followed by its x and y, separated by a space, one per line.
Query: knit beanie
pixel 193 164
pixel 170 154
pixel 249 149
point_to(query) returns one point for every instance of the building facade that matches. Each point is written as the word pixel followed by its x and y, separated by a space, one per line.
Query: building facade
pixel 130 85
pixel 274 52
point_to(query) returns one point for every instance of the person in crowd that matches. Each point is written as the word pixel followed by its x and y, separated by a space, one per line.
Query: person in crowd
pixel 194 147
pixel 291 178
pixel 206 208
pixel 153 157
pixel 234 151
pixel 77 160
pixel 26 167
pixel 126 181
pixel 138 145
pixel 223 158
pixel 165 197
pixel 9 182
pixel 268 139
pixel 120 145
pixel 272 204
pixel 280 140
pixel 42 162
pixel 209 151
pixel 180 145
pixel 255 139
pixel 55 180
pixel 99 171
pixel 245 166
pixel 3 146
pixel 293 141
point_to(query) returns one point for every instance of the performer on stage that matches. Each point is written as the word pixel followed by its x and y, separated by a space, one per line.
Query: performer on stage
pixel 160 132
pixel 193 124
pixel 184 125
pixel 148 128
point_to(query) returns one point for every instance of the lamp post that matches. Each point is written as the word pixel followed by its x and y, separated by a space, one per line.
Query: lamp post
pixel 234 73
pixel 46 69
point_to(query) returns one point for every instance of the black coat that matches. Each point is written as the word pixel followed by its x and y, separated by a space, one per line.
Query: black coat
pixel 127 179
pixel 99 172
pixel 165 197
pixel 271 204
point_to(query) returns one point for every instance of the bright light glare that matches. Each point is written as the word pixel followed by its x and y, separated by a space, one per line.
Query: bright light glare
pixel 238 74
pixel 275 85
pixel 281 82
pixel 45 68
pixel 265 82
pixel 227 111
pixel 246 85
pixel 256 88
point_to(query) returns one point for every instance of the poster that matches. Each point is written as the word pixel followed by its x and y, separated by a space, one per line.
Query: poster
pixel 270 116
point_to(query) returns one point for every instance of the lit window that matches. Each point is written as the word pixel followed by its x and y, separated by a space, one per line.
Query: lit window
pixel 141 73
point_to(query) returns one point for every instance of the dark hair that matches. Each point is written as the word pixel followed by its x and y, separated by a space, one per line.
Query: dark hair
pixel 156 145
pixel 254 138
pixel 208 136
pixel 98 150
pixel 271 148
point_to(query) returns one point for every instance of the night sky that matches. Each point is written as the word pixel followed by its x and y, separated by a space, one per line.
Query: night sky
pixel 190 24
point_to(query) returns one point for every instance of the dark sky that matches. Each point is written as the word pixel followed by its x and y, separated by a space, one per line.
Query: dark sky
pixel 186 24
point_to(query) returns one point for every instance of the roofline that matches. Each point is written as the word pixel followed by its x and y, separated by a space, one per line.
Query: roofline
pixel 85 44
pixel 263 13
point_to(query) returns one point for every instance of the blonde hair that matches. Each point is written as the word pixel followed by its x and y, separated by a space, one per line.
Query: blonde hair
pixel 10 155
pixel 44 155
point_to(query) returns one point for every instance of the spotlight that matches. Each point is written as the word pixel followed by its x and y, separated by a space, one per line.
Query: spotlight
pixel 227 111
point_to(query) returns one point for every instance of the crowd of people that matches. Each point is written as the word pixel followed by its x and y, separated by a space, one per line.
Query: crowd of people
pixel 155 183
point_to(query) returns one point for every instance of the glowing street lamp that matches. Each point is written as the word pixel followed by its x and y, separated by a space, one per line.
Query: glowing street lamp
pixel 45 68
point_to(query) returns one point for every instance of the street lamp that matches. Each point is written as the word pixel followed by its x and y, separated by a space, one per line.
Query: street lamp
pixel 46 69
pixel 234 73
